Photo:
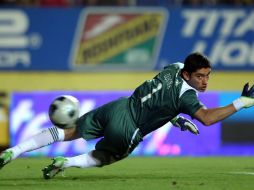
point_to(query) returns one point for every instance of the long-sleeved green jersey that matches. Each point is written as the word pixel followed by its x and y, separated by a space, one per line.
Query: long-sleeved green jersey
pixel 157 101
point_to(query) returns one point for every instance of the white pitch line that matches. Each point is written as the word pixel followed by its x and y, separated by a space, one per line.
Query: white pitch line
pixel 242 173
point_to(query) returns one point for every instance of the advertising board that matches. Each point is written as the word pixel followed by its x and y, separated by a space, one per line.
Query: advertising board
pixel 124 39
pixel 29 115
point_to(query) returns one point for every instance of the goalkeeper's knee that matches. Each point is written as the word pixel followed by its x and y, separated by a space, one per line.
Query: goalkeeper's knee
pixel 104 157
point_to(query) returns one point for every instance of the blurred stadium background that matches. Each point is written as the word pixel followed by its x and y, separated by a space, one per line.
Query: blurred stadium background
pixel 98 51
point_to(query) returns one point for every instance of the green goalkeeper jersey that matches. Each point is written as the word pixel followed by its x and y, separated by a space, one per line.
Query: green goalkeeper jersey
pixel 157 101
pixel 152 104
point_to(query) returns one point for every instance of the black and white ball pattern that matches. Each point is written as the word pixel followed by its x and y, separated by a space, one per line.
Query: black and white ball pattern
pixel 64 111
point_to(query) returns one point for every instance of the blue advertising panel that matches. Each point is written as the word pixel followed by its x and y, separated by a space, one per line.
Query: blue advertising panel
pixel 237 134
pixel 243 115
pixel 36 39
pixel 137 38
pixel 225 35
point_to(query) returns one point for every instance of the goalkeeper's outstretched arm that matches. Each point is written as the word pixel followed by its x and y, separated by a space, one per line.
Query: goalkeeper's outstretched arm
pixel 211 116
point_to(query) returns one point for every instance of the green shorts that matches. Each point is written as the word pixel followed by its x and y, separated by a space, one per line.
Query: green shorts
pixel 112 122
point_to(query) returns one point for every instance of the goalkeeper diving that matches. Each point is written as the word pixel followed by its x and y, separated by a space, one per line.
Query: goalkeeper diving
pixel 122 124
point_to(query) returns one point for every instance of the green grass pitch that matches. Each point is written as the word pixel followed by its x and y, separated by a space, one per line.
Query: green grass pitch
pixel 155 173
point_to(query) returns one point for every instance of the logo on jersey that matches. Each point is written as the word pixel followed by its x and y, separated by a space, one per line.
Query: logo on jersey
pixel 169 80
pixel 118 38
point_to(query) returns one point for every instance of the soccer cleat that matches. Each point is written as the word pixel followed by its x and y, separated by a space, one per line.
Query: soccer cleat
pixel 5 158
pixel 57 166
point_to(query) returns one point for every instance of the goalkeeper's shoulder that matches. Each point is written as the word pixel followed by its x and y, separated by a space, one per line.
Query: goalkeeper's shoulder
pixel 177 65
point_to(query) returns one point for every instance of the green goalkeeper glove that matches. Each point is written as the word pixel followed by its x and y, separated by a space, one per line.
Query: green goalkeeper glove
pixel 185 124
pixel 247 98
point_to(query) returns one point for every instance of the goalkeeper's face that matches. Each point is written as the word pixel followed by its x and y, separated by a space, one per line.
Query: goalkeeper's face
pixel 198 79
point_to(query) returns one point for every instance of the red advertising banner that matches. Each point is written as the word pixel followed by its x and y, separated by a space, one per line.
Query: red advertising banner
pixel 119 38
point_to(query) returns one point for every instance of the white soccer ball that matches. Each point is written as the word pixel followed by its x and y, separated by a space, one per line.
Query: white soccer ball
pixel 64 111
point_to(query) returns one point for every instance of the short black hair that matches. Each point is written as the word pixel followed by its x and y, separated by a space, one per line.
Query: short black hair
pixel 195 61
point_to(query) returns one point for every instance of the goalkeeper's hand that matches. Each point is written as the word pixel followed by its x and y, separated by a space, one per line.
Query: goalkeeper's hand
pixel 247 98
pixel 185 124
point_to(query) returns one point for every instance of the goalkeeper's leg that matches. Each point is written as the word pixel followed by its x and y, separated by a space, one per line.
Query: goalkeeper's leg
pixel 94 158
pixel 44 138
